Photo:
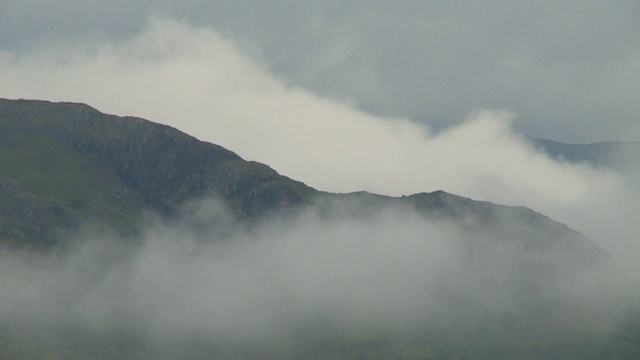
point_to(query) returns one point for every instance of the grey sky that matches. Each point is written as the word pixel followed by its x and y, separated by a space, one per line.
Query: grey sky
pixel 570 69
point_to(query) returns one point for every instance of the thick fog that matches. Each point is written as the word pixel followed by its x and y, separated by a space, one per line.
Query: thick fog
pixel 390 274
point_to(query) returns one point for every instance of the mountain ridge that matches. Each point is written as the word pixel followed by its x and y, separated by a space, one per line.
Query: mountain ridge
pixel 67 165
pixel 157 167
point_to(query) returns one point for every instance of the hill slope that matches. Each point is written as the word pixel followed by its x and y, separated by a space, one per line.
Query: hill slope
pixel 69 163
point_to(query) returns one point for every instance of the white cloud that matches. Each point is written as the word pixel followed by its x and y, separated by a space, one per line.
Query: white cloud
pixel 202 83
pixel 199 82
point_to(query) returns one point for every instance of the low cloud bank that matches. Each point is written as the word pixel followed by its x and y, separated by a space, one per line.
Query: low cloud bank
pixel 391 274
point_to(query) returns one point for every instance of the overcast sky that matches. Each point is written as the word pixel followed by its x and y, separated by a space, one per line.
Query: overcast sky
pixel 569 70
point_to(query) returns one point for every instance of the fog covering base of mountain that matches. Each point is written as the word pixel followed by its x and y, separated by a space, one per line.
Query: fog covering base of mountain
pixel 330 282
pixel 128 239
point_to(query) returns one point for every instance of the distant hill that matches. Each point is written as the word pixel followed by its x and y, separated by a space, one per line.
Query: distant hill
pixel 66 165
pixel 617 155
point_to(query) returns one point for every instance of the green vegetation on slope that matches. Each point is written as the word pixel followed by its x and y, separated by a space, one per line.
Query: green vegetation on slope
pixel 103 169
